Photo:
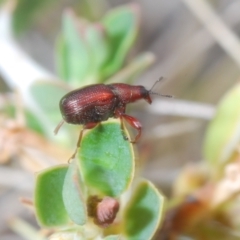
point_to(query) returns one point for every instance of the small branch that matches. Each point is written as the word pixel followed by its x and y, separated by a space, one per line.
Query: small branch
pixel 219 30
pixel 181 108
pixel 172 129
pixel 25 229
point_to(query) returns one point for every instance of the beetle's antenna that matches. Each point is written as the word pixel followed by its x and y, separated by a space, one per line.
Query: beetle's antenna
pixel 162 95
pixel 159 80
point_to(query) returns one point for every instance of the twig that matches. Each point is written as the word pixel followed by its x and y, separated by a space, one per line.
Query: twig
pixel 173 129
pixel 182 108
pixel 219 30
pixel 25 230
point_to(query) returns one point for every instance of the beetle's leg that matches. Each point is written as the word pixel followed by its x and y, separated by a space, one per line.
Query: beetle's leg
pixel 119 114
pixel 78 145
pixel 58 127
pixel 122 128
pixel 135 124
pixel 85 127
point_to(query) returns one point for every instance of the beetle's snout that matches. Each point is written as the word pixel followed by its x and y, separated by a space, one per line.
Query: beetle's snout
pixel 148 99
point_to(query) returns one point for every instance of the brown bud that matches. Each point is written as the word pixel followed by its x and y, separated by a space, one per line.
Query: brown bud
pixel 103 211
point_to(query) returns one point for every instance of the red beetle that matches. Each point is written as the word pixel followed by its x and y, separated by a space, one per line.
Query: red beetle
pixel 93 104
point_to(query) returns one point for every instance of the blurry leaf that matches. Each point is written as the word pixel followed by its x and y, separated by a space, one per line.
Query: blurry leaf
pixel 27 11
pixel 144 212
pixel 223 134
pixel 191 177
pixel 33 123
pixel 49 205
pixel 121 27
pixel 82 51
pixel 9 110
pixel 73 197
pixel 62 58
pixel 98 46
pixel 31 120
pixel 106 159
pixel 73 55
pixel 89 53
pixel 47 96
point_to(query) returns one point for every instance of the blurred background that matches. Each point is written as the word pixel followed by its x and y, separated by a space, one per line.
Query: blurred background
pixel 194 45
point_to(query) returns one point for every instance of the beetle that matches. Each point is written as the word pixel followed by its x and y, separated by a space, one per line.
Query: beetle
pixel 90 105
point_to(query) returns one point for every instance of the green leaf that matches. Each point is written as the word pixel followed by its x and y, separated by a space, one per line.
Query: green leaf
pixel 49 205
pixel 33 122
pixel 144 212
pixel 121 26
pixel 9 109
pixel 88 53
pixel 106 159
pixel 46 96
pixel 223 133
pixel 73 195
pixel 81 51
pixel 98 48
pixel 62 58
pixel 73 53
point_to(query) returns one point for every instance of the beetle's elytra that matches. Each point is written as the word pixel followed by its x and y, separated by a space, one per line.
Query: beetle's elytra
pixel 90 105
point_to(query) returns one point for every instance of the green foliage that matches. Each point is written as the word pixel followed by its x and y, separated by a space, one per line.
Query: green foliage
pixel 143 213
pixel 212 187
pixel 105 155
pixel 107 169
pixel 121 27
pixel 70 195
pixel 106 166
pixel 39 90
pixel 47 107
pixel 73 195
pixel 91 52
pixel 48 200
pixel 223 134
pixel 33 122
pixel 75 59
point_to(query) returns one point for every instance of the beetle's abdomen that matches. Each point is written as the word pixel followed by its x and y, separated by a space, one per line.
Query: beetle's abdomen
pixel 88 105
